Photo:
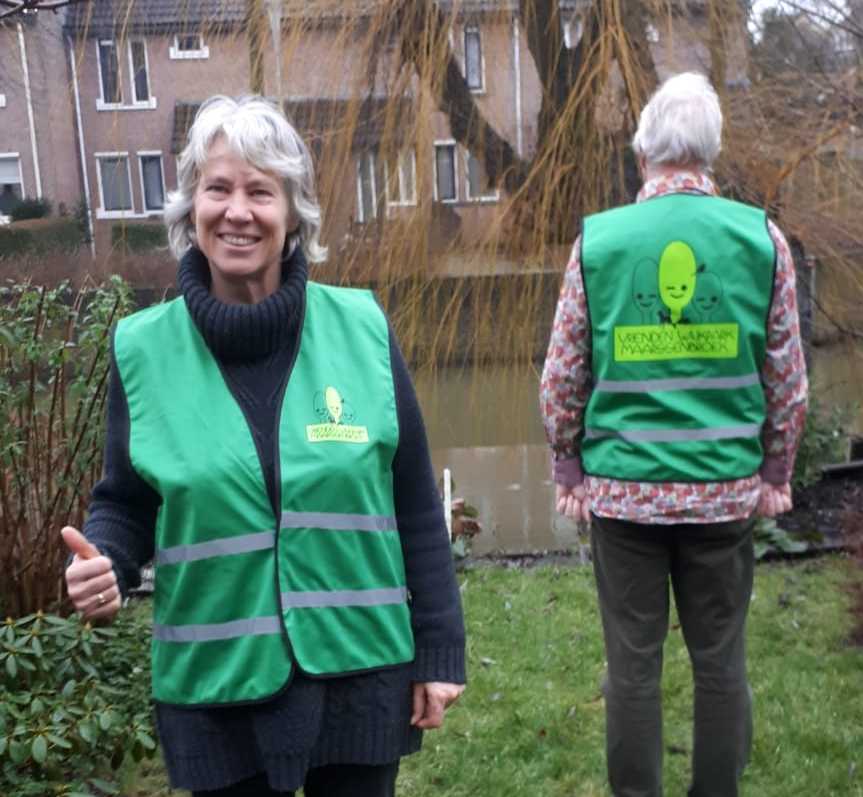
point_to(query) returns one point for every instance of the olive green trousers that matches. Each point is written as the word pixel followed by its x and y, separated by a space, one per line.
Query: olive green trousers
pixel 709 567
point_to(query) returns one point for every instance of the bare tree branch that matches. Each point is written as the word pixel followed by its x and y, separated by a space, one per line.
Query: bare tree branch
pixel 16 7
pixel 846 23
pixel 422 31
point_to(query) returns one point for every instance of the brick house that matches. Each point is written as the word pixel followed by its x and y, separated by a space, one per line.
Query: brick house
pixel 133 73
pixel 142 68
pixel 37 139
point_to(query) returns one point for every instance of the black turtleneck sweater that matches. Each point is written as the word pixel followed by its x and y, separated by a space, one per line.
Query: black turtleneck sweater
pixel 359 719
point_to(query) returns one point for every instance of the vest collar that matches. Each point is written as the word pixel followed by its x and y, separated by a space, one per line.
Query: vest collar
pixel 687 182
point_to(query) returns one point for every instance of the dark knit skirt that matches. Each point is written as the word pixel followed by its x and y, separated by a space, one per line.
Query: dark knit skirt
pixel 359 719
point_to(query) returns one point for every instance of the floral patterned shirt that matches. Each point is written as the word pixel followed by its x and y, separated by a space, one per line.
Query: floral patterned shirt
pixel 567 382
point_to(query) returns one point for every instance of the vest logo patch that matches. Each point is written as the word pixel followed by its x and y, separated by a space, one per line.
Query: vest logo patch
pixel 672 342
pixel 336 413
pixel 676 300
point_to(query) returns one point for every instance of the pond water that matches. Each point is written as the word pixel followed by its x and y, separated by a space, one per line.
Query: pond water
pixel 484 425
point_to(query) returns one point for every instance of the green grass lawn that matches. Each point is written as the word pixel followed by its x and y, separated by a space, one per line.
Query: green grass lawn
pixel 532 718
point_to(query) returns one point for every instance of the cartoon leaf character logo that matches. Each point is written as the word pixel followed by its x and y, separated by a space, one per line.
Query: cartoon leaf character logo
pixel 334 403
pixel 708 294
pixel 677 270
pixel 645 292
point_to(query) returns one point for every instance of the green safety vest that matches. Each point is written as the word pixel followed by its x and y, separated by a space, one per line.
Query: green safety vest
pixel 242 595
pixel 678 290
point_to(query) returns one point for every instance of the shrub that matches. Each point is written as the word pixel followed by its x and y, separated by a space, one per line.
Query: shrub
pixel 142 237
pixel 81 215
pixel 39 237
pixel 53 374
pixel 74 704
pixel 31 209
pixel 824 441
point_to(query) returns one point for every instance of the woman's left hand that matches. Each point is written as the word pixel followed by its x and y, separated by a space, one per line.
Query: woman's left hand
pixel 431 700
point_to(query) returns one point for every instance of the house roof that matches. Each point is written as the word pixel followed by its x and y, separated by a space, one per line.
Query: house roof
pixel 106 17
pixel 321 120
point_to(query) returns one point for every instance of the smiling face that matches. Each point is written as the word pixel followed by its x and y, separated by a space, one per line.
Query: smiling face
pixel 644 291
pixel 708 293
pixel 677 276
pixel 334 403
pixel 240 215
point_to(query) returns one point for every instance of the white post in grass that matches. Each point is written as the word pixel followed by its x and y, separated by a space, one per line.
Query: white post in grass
pixel 447 500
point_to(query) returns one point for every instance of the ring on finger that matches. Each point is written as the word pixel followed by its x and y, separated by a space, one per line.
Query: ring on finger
pixel 102 599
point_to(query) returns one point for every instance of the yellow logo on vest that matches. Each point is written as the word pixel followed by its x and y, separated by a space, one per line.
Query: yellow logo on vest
pixel 336 413
pixel 686 328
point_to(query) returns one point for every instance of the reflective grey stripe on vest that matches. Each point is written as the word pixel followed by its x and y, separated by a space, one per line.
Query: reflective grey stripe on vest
pixel 258 541
pixel 676 435
pixel 337 521
pixel 211 632
pixel 256 626
pixel 244 543
pixel 344 597
pixel 691 383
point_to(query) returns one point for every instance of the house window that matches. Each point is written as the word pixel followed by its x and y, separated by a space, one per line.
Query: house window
pixel 473 58
pixel 367 207
pixel 152 181
pixel 140 77
pixel 445 172
pixel 189 45
pixel 109 72
pixel 115 184
pixel 478 187
pixel 401 179
pixel 573 30
pixel 11 190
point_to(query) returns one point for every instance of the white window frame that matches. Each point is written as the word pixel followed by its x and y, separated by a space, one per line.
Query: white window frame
pixel 101 104
pixel 135 101
pixel 176 54
pixel 493 197
pixel 361 216
pixel 147 153
pixel 101 213
pixel 17 155
pixel 402 202
pixel 573 30
pixel 446 142
pixel 474 28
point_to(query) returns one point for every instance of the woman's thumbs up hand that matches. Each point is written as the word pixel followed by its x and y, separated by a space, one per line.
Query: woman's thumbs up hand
pixel 90 579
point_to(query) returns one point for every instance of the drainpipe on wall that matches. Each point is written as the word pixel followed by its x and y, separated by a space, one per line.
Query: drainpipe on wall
pixel 81 151
pixel 29 97
pixel 516 57
pixel 274 11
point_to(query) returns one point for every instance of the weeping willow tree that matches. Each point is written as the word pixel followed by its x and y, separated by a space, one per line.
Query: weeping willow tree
pixel 532 125
pixel 586 70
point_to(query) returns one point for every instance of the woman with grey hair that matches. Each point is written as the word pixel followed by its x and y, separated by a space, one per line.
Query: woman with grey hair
pixel 265 449
pixel 673 396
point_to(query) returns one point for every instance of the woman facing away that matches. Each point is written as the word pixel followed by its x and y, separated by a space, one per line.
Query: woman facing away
pixel 266 450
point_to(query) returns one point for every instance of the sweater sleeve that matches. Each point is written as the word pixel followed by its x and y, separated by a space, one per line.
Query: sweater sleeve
pixel 566 376
pixel 784 371
pixel 436 614
pixel 122 514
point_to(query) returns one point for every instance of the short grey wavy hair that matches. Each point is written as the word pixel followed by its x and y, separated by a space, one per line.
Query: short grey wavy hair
pixel 681 123
pixel 257 130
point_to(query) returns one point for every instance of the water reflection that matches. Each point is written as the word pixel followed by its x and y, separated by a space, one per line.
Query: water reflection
pixel 484 424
